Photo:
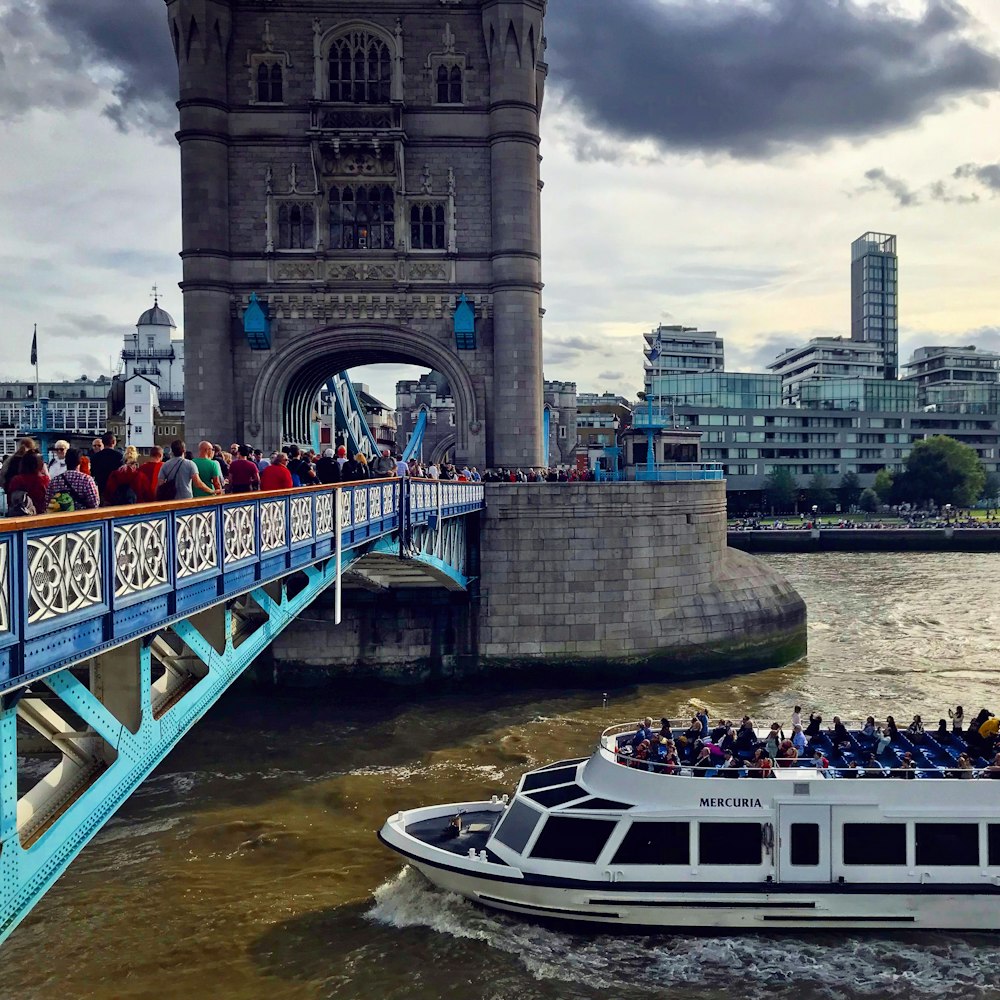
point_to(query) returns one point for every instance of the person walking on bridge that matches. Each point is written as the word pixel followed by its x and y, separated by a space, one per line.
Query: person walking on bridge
pixel 383 467
pixel 208 469
pixel 276 476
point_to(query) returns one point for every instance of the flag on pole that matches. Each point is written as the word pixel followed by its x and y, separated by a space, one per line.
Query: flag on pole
pixel 34 347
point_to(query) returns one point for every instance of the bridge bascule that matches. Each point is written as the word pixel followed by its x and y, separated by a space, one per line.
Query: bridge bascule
pixel 121 627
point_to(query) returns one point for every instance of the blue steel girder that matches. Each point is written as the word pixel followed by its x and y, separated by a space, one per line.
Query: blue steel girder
pixel 108 588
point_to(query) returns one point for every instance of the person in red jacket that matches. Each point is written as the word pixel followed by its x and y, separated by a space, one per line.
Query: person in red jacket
pixel 276 476
pixel 149 473
pixel 32 478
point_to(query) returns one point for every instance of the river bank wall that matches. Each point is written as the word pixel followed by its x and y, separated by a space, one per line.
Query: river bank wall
pixel 762 541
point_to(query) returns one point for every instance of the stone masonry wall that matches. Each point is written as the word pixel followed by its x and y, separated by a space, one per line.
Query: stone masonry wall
pixel 634 574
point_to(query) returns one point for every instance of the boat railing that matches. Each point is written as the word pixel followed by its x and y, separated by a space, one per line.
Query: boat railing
pixel 804 767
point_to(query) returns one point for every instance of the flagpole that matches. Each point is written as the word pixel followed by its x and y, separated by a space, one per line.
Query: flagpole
pixel 34 358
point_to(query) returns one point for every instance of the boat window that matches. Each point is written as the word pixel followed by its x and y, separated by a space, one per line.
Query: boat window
pixel 655 844
pixel 565 838
pixel 994 843
pixel 947 843
pixel 542 779
pixel 562 763
pixel 557 796
pixel 805 843
pixel 729 843
pixel 865 844
pixel 517 826
pixel 601 805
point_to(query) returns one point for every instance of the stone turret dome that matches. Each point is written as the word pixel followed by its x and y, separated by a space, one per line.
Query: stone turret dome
pixel 156 317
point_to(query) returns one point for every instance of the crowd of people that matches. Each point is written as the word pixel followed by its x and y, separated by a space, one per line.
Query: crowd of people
pixel 990 519
pixel 107 476
pixel 729 750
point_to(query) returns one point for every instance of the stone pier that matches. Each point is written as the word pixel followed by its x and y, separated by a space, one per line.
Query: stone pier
pixel 580 583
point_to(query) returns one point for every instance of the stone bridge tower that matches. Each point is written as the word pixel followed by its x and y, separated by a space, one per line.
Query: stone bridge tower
pixel 361 167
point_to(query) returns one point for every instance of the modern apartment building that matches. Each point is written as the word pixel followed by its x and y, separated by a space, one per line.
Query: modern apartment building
pixel 685 349
pixel 825 358
pixel 875 297
pixel 950 376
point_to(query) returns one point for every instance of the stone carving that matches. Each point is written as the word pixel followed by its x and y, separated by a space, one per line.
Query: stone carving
pixel 196 552
pixel 448 40
pixel 426 182
pixel 324 514
pixel 238 532
pixel 292 271
pixel 267 39
pixel 293 180
pixel 362 271
pixel 64 574
pixel 272 525
pixel 140 556
pixel 426 271
pixel 358 119
pixel 338 161
pixel 301 519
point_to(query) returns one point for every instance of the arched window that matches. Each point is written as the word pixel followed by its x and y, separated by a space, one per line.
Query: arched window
pixel 427 230
pixel 360 69
pixel 296 227
pixel 362 218
pixel 270 83
pixel 449 85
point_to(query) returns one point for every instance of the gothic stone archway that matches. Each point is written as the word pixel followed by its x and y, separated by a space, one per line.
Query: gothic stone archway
pixel 285 389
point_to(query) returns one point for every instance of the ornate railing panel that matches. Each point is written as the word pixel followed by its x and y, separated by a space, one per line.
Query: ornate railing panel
pixel 96 579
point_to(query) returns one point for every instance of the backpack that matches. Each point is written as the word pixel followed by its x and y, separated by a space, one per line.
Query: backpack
pixel 167 490
pixel 21 505
pixel 123 494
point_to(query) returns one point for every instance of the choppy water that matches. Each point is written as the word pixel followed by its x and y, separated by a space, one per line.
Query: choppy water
pixel 246 867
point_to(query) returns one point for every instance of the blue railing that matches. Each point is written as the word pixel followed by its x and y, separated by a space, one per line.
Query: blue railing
pixel 72 585
pixel 681 473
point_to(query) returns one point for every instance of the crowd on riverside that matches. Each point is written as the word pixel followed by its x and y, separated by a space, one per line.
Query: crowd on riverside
pixel 922 519
pixel 107 476
pixel 875 750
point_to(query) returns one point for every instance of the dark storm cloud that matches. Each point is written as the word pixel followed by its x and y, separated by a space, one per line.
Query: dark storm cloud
pixel 988 175
pixel 752 79
pixel 53 52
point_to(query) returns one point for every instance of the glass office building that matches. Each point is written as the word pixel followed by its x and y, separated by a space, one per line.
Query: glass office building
pixel 875 296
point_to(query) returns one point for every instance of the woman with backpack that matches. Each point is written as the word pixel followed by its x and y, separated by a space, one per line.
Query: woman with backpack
pixel 27 489
pixel 125 484
pixel 12 466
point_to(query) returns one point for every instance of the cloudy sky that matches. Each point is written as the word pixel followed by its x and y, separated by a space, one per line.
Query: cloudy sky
pixel 707 162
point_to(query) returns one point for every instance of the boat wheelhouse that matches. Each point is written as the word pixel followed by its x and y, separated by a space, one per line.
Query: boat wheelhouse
pixel 609 840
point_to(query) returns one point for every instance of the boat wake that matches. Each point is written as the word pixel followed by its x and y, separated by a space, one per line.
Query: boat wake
pixel 778 967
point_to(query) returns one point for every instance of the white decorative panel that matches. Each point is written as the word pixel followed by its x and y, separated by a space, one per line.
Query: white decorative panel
pixel 360 505
pixel 345 510
pixel 324 514
pixel 5 587
pixel 238 533
pixel 375 502
pixel 195 542
pixel 302 528
pixel 64 574
pixel 272 525
pixel 388 499
pixel 140 556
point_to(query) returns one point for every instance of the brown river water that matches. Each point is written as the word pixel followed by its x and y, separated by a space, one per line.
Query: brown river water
pixel 247 866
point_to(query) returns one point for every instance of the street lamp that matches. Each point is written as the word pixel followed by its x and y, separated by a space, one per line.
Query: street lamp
pixel 128 432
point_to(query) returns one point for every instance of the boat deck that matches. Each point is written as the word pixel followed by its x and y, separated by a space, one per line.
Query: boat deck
pixel 935 754
pixel 476 830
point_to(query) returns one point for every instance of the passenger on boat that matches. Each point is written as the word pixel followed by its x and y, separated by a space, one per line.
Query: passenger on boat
pixel 852 770
pixel 671 765
pixel 644 732
pixel 993 770
pixel 787 754
pixel 915 730
pixel 720 730
pixel 665 730
pixel 641 755
pixel 819 761
pixel 746 738
pixel 732 766
pixel 839 733
pixel 704 763
pixel 957 719
pixel 815 721
pixel 870 732
pixel 907 767
pixel 728 741
pixel 989 729
pixel 694 730
pixel 942 729
pixel 890 728
pixel 799 740
pixel 760 766
pixel 963 769
pixel 872 767
pixel 796 716
pixel 702 717
pixel 773 741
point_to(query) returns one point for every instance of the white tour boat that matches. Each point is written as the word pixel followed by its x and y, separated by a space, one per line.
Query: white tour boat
pixel 610 840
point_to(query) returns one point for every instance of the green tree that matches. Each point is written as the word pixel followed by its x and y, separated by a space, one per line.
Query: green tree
pixel 991 487
pixel 849 490
pixel 883 485
pixel 780 489
pixel 944 470
pixel 818 494
pixel 868 501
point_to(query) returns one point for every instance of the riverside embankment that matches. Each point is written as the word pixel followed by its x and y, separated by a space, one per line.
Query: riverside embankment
pixel 761 540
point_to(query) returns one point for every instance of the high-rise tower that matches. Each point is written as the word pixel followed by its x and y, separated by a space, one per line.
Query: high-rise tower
pixel 875 298
pixel 371 171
